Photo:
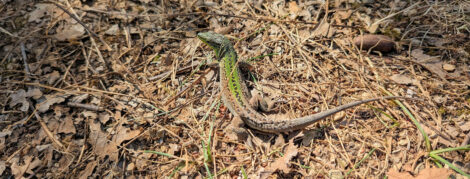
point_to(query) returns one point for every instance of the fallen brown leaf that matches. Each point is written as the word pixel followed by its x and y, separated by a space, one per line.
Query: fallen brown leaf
pixel 431 63
pixel 427 173
pixel 67 126
pixel 293 7
pixel 402 79
pixel 324 30
pixel 20 98
pixel 70 32
pixel 50 100
pixel 98 139
pixel 17 169
pixel 282 163
pixel 464 126
pixel 52 77
pixel 88 170
pixel 46 10
pixel 2 167
pixel 124 133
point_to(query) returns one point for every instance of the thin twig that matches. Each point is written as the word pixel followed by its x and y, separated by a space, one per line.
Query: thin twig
pixel 186 89
pixel 48 132
pixel 85 106
pixel 23 54
pixel 394 14
pixel 258 18
pixel 6 32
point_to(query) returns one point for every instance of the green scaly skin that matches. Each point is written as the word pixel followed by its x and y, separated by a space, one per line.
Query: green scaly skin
pixel 234 94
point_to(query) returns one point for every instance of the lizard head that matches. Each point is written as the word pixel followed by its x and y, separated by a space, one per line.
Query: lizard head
pixel 214 40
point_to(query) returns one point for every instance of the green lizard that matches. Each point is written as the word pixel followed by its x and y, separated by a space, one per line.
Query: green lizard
pixel 235 96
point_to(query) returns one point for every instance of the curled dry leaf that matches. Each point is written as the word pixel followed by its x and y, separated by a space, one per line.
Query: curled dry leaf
pixel 5 133
pixel 19 168
pixel 98 139
pixel 52 77
pixel 402 79
pixel 309 136
pixel 88 170
pixel 70 32
pixel 104 117
pixel 464 126
pixel 89 114
pixel 20 98
pixel 2 167
pixel 431 63
pixel 324 30
pixel 67 126
pixel 380 43
pixel 50 100
pixel 283 162
pixel 79 98
pixel 224 30
pixel 40 11
pixel 345 14
pixel 105 147
pixel 113 30
pixel 46 10
pixel 124 133
pixel 35 93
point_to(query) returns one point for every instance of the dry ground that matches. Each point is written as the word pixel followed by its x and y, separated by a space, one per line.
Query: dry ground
pixel 137 96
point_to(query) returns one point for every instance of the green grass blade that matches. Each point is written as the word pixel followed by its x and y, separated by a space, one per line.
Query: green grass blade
pixel 359 163
pixel 440 159
pixel 467 147
pixel 415 122
pixel 193 72
pixel 261 56
pixel 395 122
pixel 178 168
pixel 161 153
pixel 245 176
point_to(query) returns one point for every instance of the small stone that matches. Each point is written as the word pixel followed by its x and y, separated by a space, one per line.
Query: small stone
pixel 132 103
pixel 452 131
pixel 112 30
pixel 339 116
pixel 464 126
pixel 403 142
pixel 411 12
pixel 397 30
pixel 377 145
pixel 131 167
pixel 148 115
pixel 448 67
pixel 335 174
pixel 402 79
pixel 415 42
pixel 439 99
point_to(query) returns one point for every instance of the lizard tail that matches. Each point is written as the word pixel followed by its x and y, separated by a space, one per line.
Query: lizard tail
pixel 299 123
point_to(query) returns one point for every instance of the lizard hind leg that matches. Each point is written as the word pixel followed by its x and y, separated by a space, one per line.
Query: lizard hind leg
pixel 258 102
